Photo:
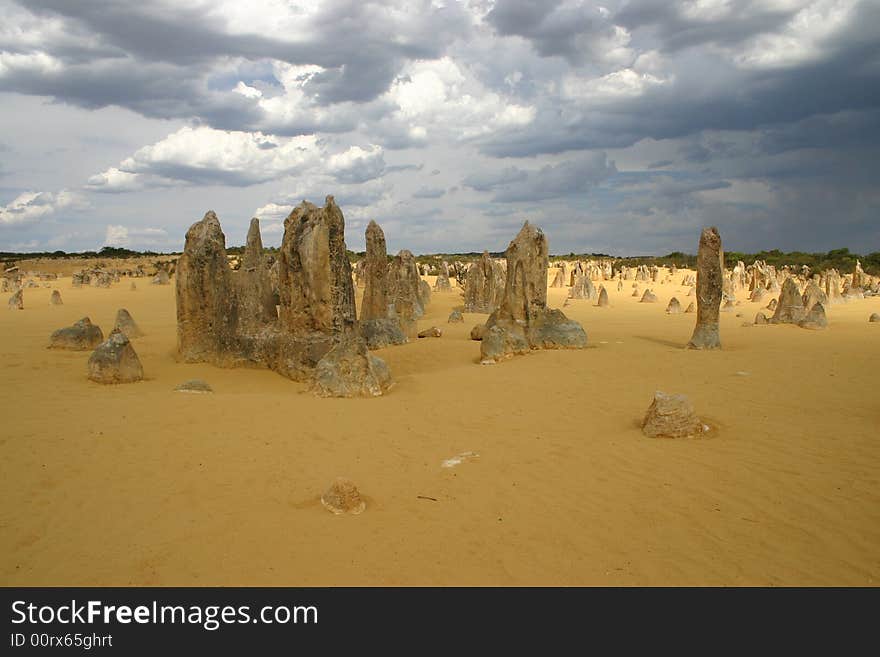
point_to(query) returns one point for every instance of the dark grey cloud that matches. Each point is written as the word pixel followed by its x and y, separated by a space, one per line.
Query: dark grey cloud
pixel 487 180
pixel 575 176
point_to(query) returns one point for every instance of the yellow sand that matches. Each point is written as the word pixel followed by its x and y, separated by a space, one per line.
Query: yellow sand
pixel 139 485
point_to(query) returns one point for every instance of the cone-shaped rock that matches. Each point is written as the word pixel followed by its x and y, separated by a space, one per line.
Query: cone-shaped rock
pixel 349 370
pixel 648 297
pixel 558 279
pixel 674 307
pixel 603 297
pixel 115 361
pixel 790 309
pixel 582 288
pixel 126 324
pixel 253 288
pixel 671 416
pixel 343 497
pixel 379 323
pixel 455 317
pixel 81 336
pixel 710 275
pixel 55 299
pixel 523 321
pixel 874 318
pixel 404 291
pixel 815 318
pixel 691 308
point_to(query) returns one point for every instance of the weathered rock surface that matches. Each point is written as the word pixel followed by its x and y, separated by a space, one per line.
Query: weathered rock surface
pixel 582 288
pixel 761 319
pixel 674 307
pixel 207 314
pixel 671 416
pixel 523 321
pixel 161 278
pixel 16 301
pixel 81 336
pixel 484 286
pixel 875 317
pixel 404 291
pixel 255 300
pixel 349 370
pixel 343 497
pixel 115 361
pixel 815 318
pixel 432 332
pixel 790 309
pixel 126 324
pixel 379 323
pixel 710 275
pixel 479 330
pixel 55 299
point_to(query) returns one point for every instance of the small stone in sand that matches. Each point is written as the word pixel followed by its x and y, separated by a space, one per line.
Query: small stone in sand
pixel 432 332
pixel 196 386
pixel 343 497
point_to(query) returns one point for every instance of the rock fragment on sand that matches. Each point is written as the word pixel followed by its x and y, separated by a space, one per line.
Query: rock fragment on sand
pixel 761 319
pixel 115 361
pixel 343 497
pixel 671 416
pixel 194 386
pixel 55 299
pixel 691 308
pixel 432 332
pixel 648 297
pixel 674 307
pixel 455 317
pixel 478 331
pixel 81 336
pixel 874 318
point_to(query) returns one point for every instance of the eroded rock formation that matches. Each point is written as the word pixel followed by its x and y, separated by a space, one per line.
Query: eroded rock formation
pixel 710 275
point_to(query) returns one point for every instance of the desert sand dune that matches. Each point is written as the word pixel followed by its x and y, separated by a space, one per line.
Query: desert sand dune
pixel 140 485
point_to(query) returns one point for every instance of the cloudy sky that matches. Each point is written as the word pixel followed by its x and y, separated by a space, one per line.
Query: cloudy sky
pixel 617 126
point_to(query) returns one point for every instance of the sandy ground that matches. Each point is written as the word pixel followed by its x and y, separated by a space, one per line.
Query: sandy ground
pixel 139 485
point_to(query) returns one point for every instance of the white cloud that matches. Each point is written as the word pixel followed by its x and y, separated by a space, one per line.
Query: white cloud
pixel 205 155
pixel 33 206
pixel 357 164
pixel 122 236
pixel 625 83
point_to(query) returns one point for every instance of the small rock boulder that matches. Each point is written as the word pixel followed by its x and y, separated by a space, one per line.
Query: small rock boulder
pixel 674 307
pixel 691 308
pixel 81 336
pixel 115 361
pixel 343 497
pixel 349 370
pixel 761 319
pixel 671 416
pixel 455 317
pixel 648 297
pixel 55 299
pixel 874 318
pixel 478 331
pixel 432 332
pixel 194 386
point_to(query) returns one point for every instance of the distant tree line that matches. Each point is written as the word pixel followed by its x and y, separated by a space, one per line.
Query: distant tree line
pixel 840 259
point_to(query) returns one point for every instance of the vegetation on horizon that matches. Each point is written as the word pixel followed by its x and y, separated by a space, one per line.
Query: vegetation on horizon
pixel 841 259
